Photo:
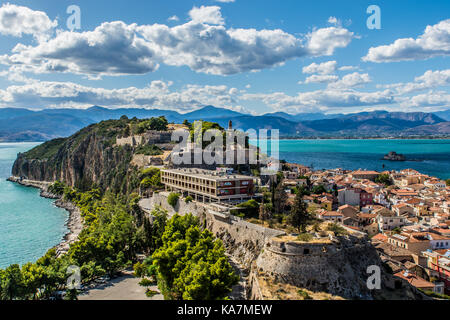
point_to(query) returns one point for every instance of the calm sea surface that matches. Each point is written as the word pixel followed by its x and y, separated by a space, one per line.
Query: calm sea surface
pixel 427 156
pixel 29 224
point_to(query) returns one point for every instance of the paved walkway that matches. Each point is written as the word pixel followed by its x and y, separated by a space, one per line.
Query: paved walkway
pixel 123 288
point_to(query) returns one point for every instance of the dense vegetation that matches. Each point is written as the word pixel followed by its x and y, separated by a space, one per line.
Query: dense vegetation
pixel 149 150
pixel 190 264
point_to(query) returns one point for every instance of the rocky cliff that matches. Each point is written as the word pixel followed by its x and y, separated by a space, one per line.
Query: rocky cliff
pixel 87 158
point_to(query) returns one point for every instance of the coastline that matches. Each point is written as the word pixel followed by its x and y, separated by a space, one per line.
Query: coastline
pixel 74 222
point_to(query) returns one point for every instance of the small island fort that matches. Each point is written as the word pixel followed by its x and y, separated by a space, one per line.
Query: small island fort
pixel 394 156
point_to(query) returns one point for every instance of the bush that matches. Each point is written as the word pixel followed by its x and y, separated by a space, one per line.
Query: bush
pixel 146 282
pixel 250 208
pixel 305 237
pixel 139 270
pixel 337 229
pixel 149 150
pixel 150 293
pixel 173 199
pixel 188 199
pixel 57 188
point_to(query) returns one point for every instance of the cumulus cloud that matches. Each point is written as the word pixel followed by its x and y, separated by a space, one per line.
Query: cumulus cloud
pixel 326 40
pixel 434 42
pixel 323 99
pixel 429 80
pixel 207 14
pixel 321 78
pixel 111 49
pixel 157 94
pixel 351 80
pixel 18 20
pixel 203 44
pixel 321 68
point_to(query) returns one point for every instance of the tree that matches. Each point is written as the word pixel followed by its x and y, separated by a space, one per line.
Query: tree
pixel 172 199
pixel 319 189
pixel 264 211
pixel 448 182
pixel 279 198
pixel 250 208
pixel 191 264
pixel 299 216
pixel 187 123
pixel 384 179
pixel 12 286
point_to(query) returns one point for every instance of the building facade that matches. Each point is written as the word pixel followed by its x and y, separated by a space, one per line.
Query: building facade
pixel 208 185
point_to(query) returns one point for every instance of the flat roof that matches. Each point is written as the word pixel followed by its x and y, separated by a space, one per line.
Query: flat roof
pixel 208 174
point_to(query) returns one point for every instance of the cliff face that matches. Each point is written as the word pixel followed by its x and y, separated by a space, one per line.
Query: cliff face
pixel 86 158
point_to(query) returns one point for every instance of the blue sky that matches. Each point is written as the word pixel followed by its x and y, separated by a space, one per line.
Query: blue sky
pixel 251 56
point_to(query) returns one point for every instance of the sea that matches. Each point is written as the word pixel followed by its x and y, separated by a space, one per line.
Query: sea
pixel 29 224
pixel 428 156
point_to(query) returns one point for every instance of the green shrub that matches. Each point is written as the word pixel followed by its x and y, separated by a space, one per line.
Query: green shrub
pixel 150 293
pixel 173 199
pixel 188 199
pixel 146 282
pixel 305 237
pixel 337 229
pixel 149 150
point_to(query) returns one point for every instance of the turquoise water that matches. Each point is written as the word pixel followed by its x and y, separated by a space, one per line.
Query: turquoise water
pixel 431 157
pixel 29 224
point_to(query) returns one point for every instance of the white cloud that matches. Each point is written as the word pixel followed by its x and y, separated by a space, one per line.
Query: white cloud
pixel 348 68
pixel 157 94
pixel 430 79
pixel 321 78
pixel 325 41
pixel 111 49
pixel 116 48
pixel 434 42
pixel 321 68
pixel 17 21
pixel 334 20
pixel 323 99
pixel 173 18
pixel 431 99
pixel 351 80
pixel 207 14
pixel 225 1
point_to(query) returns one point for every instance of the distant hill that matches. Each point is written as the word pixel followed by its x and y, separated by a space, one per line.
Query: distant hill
pixel 210 112
pixel 303 116
pixel 28 125
pixel 444 115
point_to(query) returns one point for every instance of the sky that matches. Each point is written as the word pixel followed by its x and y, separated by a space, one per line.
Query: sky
pixel 246 55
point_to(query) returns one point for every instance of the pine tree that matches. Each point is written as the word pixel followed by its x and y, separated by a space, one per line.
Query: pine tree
pixel 299 216
pixel 279 198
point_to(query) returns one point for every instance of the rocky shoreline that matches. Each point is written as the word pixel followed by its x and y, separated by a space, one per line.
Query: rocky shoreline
pixel 74 223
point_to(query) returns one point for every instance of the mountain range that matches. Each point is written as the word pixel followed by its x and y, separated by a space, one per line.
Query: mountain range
pixel 27 125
